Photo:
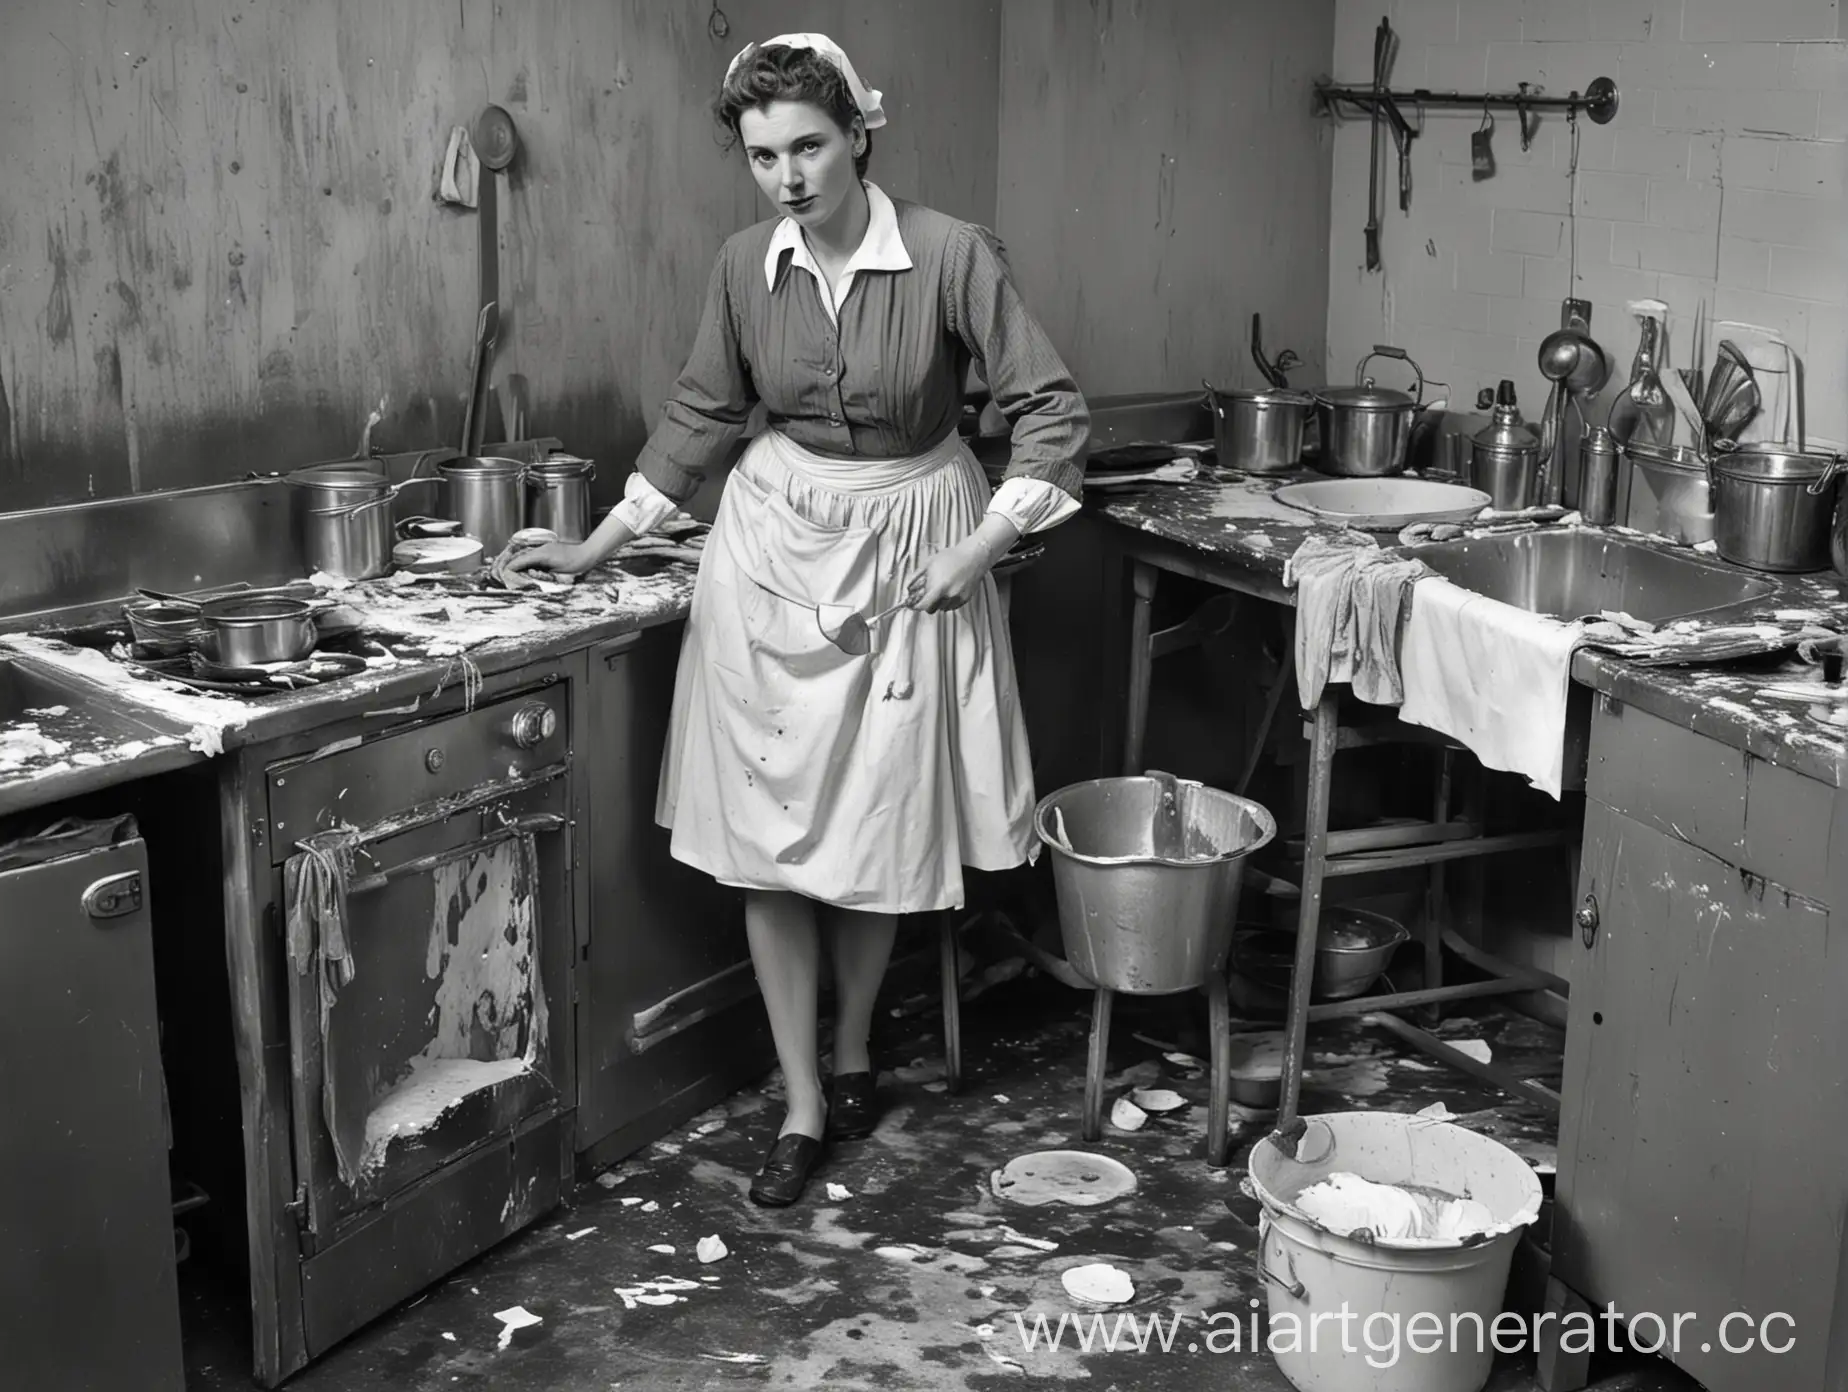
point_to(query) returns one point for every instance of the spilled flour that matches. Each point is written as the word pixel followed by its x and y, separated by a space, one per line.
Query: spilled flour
pixel 433 1087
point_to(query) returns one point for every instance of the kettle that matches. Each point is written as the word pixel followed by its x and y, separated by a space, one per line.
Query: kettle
pixel 1505 456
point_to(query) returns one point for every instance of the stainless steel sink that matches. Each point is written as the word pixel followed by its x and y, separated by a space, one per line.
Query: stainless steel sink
pixel 1575 574
pixel 71 713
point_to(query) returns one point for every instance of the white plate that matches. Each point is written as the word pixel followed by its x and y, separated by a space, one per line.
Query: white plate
pixel 1384 504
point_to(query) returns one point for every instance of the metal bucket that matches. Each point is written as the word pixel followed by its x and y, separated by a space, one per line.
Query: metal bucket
pixel 1147 872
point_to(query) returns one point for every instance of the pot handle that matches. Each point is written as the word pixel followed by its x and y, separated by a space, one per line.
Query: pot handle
pixel 1836 462
pixel 1211 399
pixel 1382 350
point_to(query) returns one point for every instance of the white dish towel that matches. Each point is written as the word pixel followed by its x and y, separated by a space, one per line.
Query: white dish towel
pixel 1492 677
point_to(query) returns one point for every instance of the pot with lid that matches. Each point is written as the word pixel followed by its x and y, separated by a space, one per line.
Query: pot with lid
pixel 1260 432
pixel 1366 429
pixel 1505 456
pixel 1773 507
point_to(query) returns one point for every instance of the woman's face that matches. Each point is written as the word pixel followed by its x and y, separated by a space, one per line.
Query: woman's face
pixel 801 160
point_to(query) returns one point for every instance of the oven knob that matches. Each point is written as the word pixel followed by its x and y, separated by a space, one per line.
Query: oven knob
pixel 534 724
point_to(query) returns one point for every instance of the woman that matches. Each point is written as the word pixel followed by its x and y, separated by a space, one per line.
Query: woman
pixel 837 788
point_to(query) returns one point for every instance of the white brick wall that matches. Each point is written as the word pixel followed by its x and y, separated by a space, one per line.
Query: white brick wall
pixel 1721 179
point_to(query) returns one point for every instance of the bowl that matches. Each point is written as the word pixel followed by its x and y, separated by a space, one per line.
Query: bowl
pixel 1353 950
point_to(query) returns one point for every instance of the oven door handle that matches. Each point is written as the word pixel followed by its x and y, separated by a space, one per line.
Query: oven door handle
pixel 510 828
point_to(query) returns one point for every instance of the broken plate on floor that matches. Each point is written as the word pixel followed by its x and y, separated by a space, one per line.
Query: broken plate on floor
pixel 1073 1177
pixel 1383 504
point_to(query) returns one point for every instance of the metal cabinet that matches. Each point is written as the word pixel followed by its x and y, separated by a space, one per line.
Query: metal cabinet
pixel 669 1016
pixel 1703 1147
pixel 87 1287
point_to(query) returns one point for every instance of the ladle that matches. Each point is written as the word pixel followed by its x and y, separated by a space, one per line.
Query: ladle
pixel 841 624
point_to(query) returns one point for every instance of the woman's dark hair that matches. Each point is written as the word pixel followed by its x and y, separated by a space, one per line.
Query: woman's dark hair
pixel 781 73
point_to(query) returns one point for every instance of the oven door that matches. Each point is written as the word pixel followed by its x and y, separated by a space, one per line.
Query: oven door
pixel 443 1038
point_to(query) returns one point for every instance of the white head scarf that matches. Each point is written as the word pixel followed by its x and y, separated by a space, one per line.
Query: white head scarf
pixel 864 97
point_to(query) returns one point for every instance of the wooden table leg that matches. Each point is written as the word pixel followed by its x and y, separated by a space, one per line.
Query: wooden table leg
pixel 1436 900
pixel 1309 918
pixel 1097 1064
pixel 1219 1103
pixel 1143 579
pixel 952 1003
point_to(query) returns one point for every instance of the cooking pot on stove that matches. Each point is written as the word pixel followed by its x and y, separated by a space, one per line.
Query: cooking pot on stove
pixel 1366 429
pixel 1260 432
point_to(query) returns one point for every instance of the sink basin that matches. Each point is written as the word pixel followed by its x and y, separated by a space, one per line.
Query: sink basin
pixel 1576 574
pixel 68 713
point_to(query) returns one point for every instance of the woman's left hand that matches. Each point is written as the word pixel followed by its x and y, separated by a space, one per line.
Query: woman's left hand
pixel 950 578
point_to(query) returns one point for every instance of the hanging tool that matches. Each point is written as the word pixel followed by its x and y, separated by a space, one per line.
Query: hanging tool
pixel 495 141
pixel 1380 39
pixel 1402 136
pixel 1273 371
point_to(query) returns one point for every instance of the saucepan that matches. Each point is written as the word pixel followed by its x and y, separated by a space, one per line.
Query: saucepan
pixel 251 628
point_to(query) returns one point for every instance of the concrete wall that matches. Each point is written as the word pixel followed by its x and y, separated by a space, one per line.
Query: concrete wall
pixel 1720 179
pixel 219 250
pixel 1161 179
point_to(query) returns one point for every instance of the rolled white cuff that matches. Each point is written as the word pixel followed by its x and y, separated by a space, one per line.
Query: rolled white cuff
pixel 643 507
pixel 1032 505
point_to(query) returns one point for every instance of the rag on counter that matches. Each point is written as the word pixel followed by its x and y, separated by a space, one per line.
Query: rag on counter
pixel 1351 609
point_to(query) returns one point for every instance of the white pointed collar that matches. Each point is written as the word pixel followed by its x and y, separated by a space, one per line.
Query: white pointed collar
pixel 881 249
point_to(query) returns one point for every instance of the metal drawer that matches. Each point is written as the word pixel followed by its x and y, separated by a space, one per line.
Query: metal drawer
pixel 508 740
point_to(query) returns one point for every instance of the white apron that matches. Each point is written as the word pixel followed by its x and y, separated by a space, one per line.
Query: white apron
pixel 870 781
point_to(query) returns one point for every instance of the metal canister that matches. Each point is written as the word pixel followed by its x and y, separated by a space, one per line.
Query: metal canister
pixel 1505 456
pixel 558 497
pixel 487 497
pixel 1597 498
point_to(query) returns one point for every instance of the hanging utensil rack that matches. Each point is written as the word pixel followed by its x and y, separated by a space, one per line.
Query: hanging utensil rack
pixel 1598 101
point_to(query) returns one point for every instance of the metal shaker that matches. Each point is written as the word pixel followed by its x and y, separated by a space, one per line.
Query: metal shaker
pixel 1598 477
pixel 1505 456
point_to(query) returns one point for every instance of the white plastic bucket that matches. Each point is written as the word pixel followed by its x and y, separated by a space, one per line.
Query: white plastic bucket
pixel 1422 1310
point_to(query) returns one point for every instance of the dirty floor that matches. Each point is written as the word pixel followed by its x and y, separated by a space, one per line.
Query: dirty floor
pixel 914 1274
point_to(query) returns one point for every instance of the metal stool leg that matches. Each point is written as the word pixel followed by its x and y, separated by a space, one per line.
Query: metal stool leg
pixel 1308 923
pixel 1097 1064
pixel 1219 1103
pixel 1436 902
pixel 952 1003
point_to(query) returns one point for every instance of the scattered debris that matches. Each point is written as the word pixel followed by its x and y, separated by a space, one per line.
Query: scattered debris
pixel 662 1292
pixel 838 1192
pixel 651 1207
pixel 1073 1177
pixel 609 1180
pixel 711 1248
pixel 1003 1098
pixel 1038 1244
pixel 1437 1111
pixel 447 1335
pixel 581 1232
pixel 1098 1283
pixel 904 1251
pixel 663 1248
pixel 1157 1099
pixel 519 1317
pixel 1476 1048
pixel 741 1358
pixel 631 1201
pixel 709 1128
pixel 1127 1116
pixel 938 1086
pixel 919 1071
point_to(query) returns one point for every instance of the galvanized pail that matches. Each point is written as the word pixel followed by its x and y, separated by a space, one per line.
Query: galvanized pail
pixel 1147 871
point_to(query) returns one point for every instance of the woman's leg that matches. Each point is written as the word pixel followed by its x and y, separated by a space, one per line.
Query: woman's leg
pixel 786 954
pixel 860 945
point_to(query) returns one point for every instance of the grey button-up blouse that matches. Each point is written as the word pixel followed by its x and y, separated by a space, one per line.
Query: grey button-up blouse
pixel 888 381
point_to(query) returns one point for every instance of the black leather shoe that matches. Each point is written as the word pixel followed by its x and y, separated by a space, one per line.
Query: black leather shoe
pixel 851 1114
pixel 786 1170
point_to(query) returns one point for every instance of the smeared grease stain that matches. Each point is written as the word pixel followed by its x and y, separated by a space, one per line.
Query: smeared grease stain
pixel 131 304
pixel 109 369
pixel 58 303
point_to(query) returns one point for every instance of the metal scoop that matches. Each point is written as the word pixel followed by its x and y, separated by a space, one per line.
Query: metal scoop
pixel 850 630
